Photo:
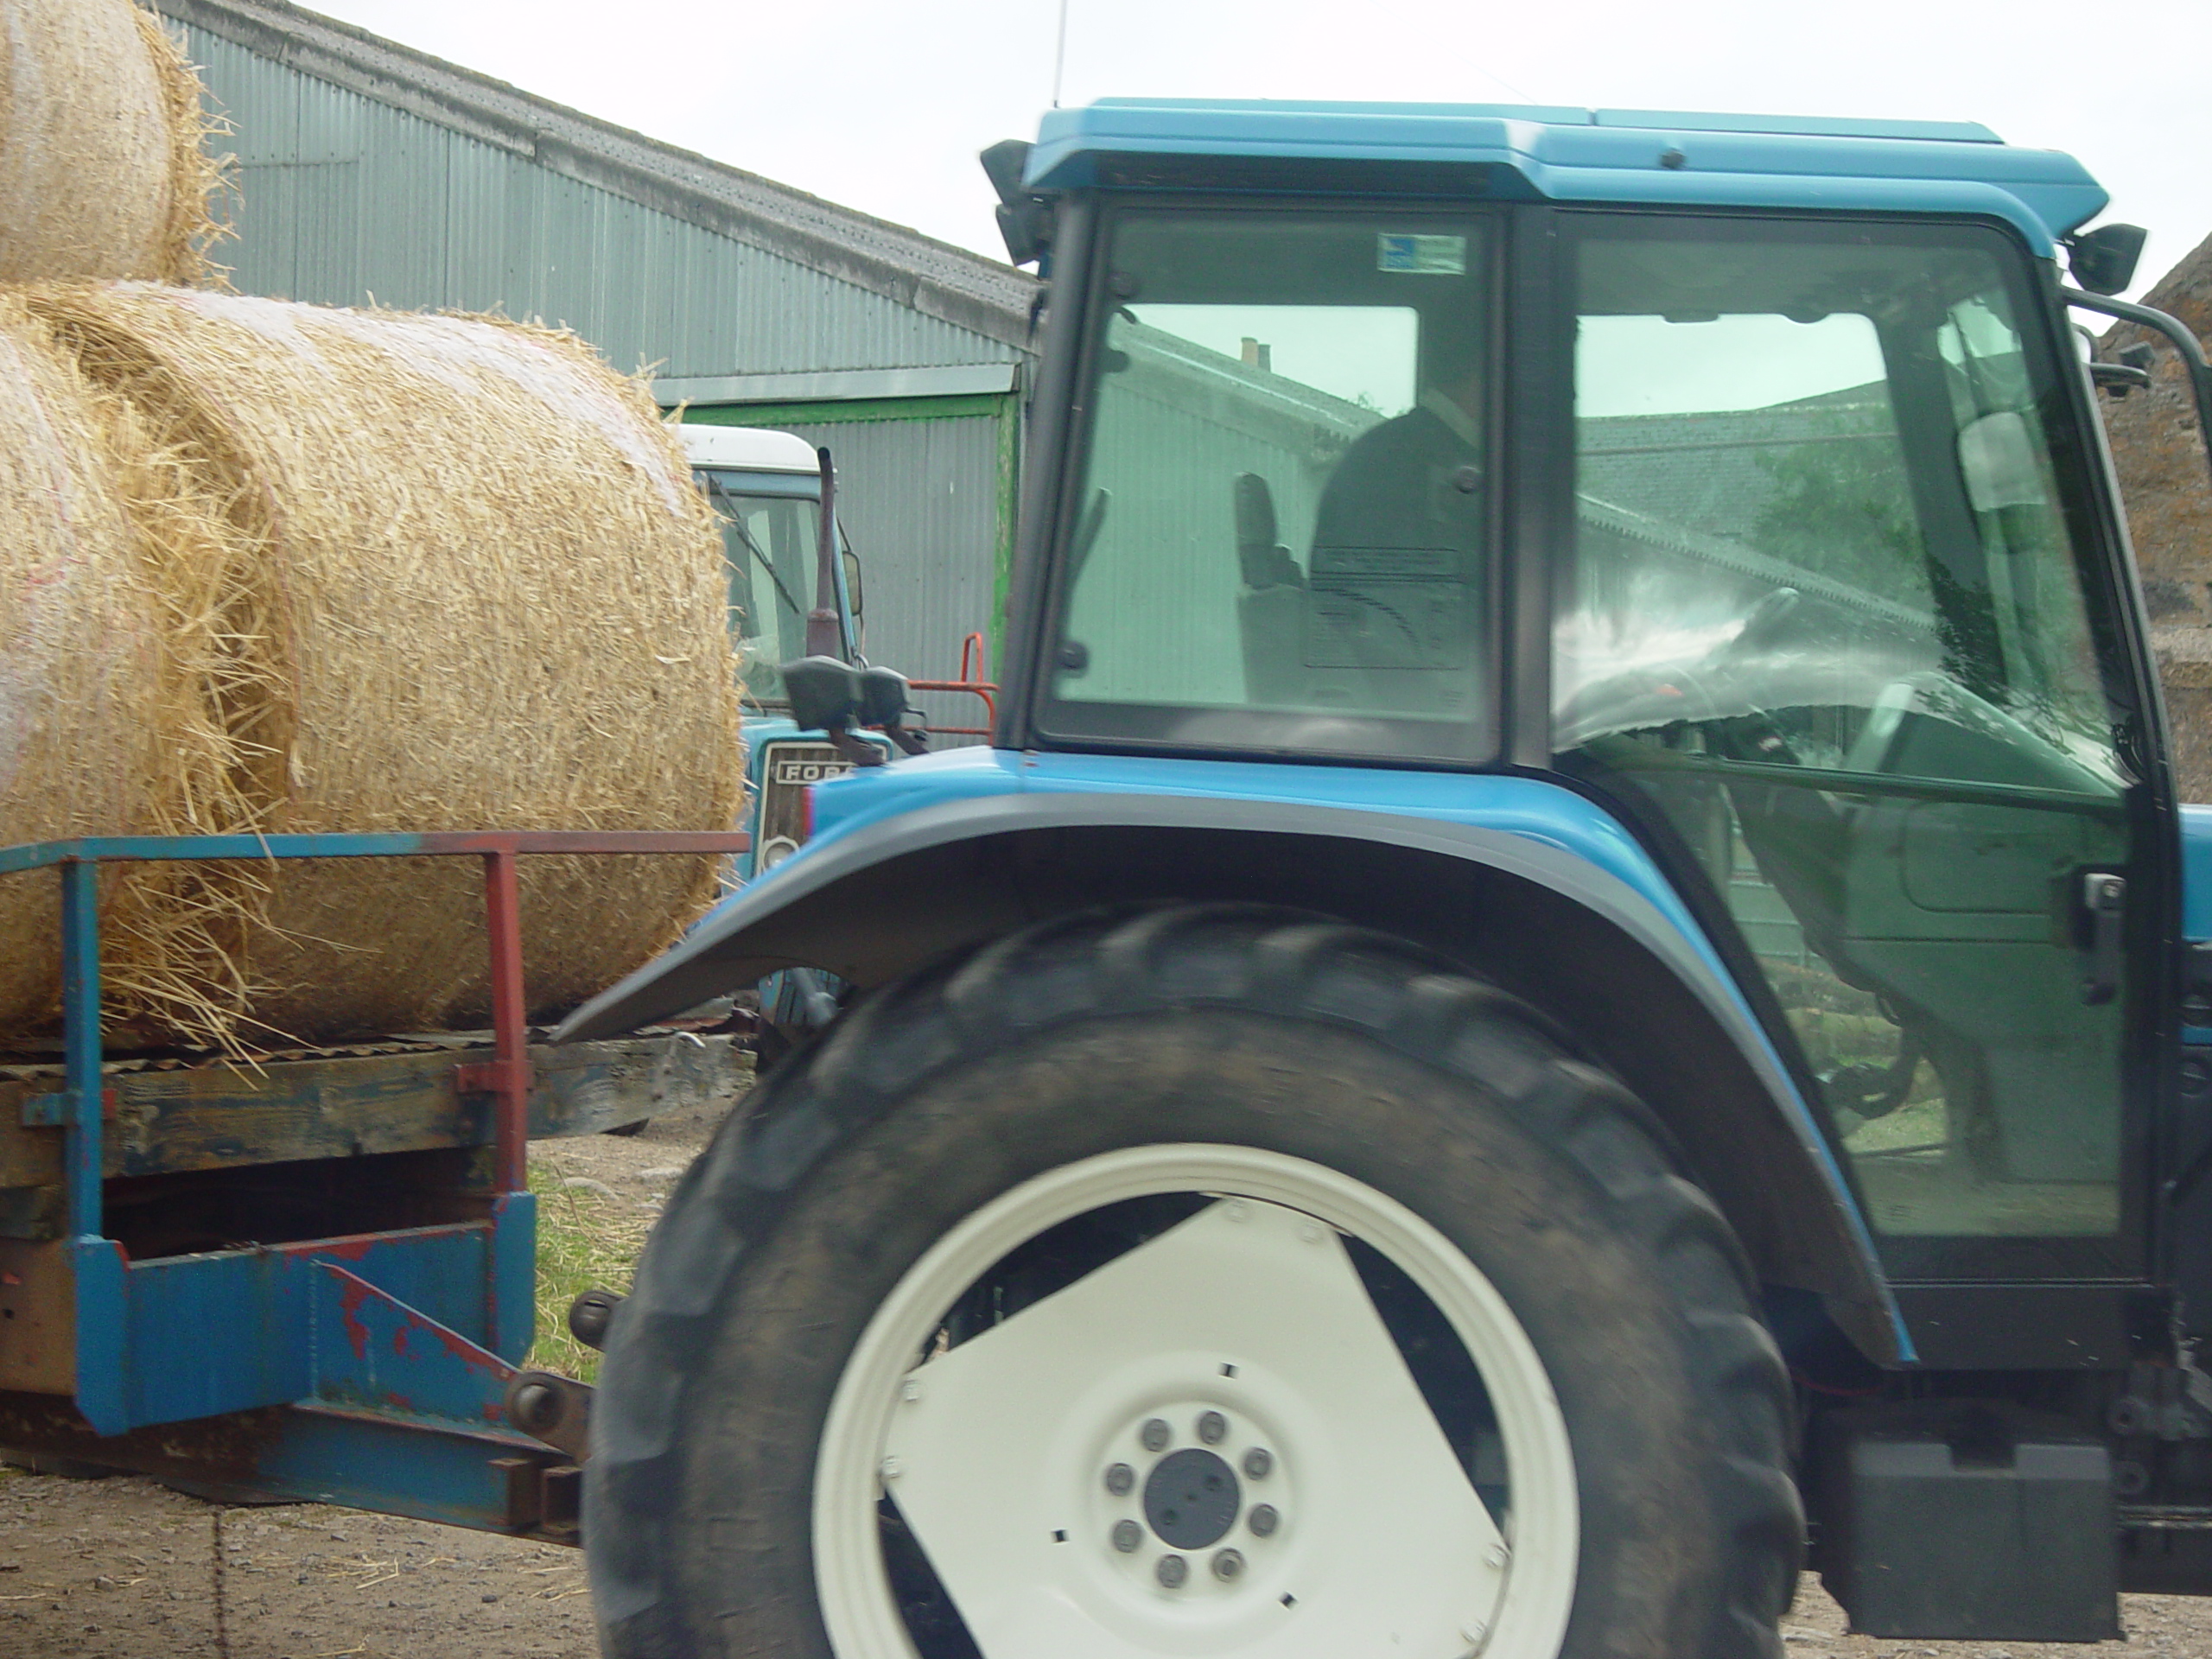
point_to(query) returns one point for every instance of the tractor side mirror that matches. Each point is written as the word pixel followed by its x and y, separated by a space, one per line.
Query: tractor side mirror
pixel 833 697
pixel 824 693
pixel 883 704
pixel 855 595
pixel 1025 218
pixel 2103 260
pixel 882 697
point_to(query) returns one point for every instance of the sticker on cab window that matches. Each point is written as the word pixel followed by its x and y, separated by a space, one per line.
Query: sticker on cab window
pixel 1421 256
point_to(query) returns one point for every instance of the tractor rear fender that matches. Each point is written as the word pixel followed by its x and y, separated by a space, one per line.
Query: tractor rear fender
pixel 1639 988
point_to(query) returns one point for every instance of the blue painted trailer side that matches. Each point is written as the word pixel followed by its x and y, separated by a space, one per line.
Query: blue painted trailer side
pixel 231 1330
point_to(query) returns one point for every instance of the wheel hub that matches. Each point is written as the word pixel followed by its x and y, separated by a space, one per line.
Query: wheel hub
pixel 1175 1519
pixel 1191 1498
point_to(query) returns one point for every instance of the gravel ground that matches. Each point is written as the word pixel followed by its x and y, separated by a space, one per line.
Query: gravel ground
pixel 124 1569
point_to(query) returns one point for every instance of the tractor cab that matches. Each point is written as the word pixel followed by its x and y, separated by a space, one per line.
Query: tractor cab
pixel 767 488
pixel 1762 503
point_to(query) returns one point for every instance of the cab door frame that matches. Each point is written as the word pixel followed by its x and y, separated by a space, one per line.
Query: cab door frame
pixel 1998 1304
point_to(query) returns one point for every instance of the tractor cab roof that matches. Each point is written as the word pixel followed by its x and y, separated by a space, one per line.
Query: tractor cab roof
pixel 746 448
pixel 1647 157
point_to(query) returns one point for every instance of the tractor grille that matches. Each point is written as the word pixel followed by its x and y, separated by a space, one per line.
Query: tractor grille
pixel 788 770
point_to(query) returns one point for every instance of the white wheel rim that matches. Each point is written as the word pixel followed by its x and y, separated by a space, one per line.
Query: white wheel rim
pixel 1381 1545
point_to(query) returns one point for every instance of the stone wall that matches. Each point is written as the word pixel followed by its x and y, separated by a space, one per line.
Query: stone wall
pixel 2167 490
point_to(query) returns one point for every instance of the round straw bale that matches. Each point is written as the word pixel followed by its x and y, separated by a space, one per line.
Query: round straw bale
pixel 484 594
pixel 78 653
pixel 103 173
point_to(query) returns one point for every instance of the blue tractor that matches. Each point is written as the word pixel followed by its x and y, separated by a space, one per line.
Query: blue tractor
pixel 1571 965
pixel 794 589
pixel 775 496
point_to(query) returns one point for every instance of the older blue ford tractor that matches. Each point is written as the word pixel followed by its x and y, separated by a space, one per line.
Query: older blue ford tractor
pixel 1570 964
pixel 794 587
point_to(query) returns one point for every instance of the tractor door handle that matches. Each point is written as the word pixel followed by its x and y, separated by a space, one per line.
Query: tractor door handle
pixel 2104 906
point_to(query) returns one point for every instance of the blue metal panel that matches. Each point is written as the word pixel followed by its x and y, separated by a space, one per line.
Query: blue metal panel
pixel 1542 811
pixel 1719 161
pixel 368 1460
pixel 230 1330
pixel 103 1322
pixel 211 1333
pixel 2196 872
pixel 510 1321
pixel 371 1350
pixel 1826 126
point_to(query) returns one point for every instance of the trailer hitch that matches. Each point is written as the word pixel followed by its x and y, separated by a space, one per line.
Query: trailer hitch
pixel 554 1409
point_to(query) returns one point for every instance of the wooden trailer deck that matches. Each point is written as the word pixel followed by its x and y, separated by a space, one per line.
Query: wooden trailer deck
pixel 168 1117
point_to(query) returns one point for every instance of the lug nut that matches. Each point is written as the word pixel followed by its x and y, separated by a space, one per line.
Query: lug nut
pixel 1212 1426
pixel 1173 1570
pixel 1227 1564
pixel 1126 1536
pixel 1259 1463
pixel 1156 1434
pixel 1120 1480
pixel 1264 1519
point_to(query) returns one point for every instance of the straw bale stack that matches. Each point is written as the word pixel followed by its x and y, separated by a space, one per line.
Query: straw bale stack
pixel 467 584
pixel 104 172
pixel 79 647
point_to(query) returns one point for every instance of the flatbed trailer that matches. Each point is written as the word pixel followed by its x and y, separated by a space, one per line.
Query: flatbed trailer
pixel 310 1277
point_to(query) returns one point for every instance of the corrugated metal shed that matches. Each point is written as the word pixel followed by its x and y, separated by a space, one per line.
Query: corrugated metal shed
pixel 369 171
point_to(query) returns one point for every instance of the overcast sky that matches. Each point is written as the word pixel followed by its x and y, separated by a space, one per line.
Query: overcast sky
pixel 882 105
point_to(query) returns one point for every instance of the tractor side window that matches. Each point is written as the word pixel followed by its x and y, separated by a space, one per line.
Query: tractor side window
pixel 1281 536
pixel 1825 614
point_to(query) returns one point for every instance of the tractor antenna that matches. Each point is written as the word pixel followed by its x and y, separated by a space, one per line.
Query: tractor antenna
pixel 1060 55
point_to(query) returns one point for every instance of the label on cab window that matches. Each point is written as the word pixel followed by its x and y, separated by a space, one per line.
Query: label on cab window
pixel 1421 256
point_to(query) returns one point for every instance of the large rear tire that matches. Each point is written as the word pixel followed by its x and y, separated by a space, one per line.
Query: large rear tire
pixel 998 1322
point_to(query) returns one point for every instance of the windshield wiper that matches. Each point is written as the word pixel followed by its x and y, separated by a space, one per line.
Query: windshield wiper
pixel 714 488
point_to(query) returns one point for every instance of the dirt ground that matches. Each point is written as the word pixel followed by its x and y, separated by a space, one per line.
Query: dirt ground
pixel 124 1569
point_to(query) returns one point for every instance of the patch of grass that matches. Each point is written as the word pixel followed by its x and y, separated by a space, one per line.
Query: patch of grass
pixel 585 1241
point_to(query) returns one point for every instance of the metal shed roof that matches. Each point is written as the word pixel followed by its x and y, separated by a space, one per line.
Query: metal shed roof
pixel 1652 157
pixel 930 276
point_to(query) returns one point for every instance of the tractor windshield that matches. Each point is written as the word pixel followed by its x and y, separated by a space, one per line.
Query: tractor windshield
pixel 1824 613
pixel 1284 537
pixel 770 544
